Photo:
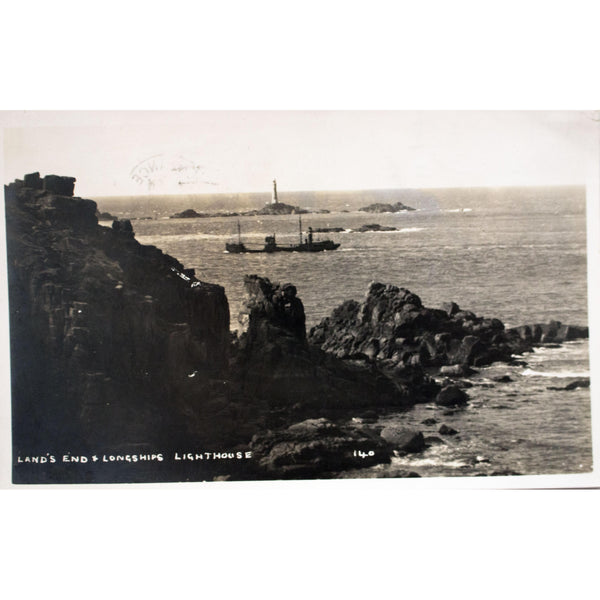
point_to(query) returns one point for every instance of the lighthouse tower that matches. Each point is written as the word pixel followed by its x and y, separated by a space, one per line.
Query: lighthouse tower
pixel 274 196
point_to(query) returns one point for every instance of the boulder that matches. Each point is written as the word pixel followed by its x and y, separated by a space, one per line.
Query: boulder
pixel 446 430
pixel 433 440
pixel 451 395
pixel 405 440
pixel 318 448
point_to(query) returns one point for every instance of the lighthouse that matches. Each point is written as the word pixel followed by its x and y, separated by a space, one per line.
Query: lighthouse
pixel 274 196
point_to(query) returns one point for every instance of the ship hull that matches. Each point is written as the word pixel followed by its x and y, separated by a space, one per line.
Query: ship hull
pixel 269 249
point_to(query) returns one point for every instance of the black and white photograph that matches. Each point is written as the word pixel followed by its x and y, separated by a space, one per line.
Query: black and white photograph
pixel 213 296
pixel 299 300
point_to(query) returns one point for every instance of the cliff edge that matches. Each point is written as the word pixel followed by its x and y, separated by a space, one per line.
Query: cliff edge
pixel 106 334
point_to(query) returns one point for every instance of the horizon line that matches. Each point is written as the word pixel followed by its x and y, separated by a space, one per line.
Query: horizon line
pixel 267 192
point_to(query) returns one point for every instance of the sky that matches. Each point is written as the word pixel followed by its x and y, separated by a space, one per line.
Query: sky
pixel 130 153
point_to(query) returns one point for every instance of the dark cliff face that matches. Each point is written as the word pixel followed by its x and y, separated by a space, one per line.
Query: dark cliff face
pixel 109 339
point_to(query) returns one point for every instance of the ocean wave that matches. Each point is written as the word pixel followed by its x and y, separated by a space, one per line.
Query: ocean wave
pixel 555 374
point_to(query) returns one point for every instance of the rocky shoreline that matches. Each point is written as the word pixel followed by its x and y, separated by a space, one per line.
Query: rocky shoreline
pixel 117 346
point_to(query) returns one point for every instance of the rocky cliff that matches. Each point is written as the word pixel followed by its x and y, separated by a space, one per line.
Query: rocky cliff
pixel 107 336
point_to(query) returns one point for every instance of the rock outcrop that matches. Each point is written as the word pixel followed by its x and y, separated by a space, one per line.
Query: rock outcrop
pixel 111 341
pixel 392 327
pixel 279 208
pixel 189 213
pixel 548 333
pixel 319 447
pixel 380 207
pixel 275 362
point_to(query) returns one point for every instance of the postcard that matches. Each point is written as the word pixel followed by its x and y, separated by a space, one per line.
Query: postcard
pixel 301 295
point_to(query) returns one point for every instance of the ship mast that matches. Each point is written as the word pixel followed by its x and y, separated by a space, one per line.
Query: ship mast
pixel 300 228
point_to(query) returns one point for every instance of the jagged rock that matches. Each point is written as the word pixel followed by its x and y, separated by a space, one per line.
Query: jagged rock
pixel 404 440
pixel 318 447
pixel 429 421
pixel 123 226
pixel 502 379
pixel 277 364
pixel 392 327
pixel 451 396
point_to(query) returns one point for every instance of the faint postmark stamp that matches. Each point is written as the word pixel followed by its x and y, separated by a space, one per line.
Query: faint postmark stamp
pixel 164 171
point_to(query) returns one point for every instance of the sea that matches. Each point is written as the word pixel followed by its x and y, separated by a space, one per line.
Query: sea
pixel 517 254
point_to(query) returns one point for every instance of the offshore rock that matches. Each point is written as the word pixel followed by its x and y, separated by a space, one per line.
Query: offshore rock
pixel 380 207
pixel 393 328
pixel 374 227
pixel 189 213
pixel 278 209
pixel 553 332
pixel 578 383
pixel 318 447
pixel 112 341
